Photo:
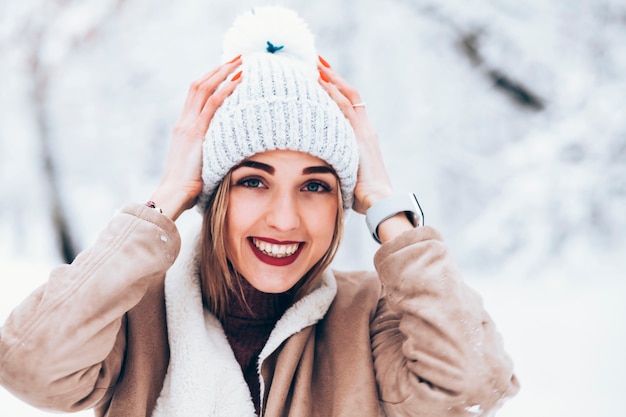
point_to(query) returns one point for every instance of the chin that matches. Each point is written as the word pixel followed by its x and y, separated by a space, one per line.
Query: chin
pixel 275 283
pixel 273 288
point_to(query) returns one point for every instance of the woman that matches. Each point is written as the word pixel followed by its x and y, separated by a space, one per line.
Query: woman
pixel 272 147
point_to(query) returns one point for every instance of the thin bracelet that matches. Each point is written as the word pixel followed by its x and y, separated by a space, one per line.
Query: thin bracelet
pixel 153 206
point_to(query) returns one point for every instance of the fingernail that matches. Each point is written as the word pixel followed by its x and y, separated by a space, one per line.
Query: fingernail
pixel 323 61
pixel 234 59
pixel 324 77
pixel 236 76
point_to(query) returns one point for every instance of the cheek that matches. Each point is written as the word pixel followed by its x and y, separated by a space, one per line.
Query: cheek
pixel 235 225
pixel 322 223
pixel 239 214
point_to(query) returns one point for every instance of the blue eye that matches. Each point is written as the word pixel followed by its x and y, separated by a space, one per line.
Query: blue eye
pixel 251 183
pixel 316 187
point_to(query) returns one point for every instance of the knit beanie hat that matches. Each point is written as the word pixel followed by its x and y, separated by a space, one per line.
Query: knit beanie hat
pixel 279 103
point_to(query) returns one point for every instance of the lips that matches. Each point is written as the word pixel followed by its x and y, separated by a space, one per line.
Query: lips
pixel 274 252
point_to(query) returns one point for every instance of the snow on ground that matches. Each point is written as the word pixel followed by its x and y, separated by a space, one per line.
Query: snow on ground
pixel 566 337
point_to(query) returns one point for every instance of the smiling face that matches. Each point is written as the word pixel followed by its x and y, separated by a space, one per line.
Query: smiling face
pixel 281 216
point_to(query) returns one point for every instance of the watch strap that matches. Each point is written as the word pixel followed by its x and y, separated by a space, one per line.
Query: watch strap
pixel 389 207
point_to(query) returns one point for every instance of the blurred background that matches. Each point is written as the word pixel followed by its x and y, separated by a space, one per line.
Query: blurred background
pixel 506 118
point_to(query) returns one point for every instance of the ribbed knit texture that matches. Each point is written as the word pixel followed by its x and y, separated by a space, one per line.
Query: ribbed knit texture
pixel 248 327
pixel 278 105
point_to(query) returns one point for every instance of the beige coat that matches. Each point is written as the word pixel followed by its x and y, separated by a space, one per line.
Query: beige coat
pixel 96 335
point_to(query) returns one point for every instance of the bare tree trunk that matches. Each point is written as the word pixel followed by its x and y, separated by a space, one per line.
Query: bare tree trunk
pixel 469 42
pixel 39 97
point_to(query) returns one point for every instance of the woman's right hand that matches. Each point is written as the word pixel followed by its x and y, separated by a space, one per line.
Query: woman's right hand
pixel 182 180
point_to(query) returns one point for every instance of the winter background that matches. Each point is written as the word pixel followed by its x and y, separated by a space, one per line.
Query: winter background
pixel 506 117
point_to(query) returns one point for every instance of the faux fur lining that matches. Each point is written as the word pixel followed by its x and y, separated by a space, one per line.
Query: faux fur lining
pixel 203 377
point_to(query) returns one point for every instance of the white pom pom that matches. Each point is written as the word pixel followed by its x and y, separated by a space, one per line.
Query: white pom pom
pixel 270 29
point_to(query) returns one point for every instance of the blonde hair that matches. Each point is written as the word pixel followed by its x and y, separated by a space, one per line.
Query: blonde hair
pixel 217 275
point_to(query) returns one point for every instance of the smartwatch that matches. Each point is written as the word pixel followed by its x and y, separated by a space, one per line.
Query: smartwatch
pixel 389 207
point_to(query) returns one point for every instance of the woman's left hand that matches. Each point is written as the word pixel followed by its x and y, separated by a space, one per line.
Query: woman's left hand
pixel 373 182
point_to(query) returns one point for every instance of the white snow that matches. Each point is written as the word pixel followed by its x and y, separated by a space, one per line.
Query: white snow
pixel 531 202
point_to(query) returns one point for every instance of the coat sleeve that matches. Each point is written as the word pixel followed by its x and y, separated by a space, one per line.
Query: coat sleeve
pixel 436 351
pixel 63 347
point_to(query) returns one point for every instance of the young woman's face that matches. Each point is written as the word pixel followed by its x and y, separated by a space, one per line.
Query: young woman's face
pixel 281 217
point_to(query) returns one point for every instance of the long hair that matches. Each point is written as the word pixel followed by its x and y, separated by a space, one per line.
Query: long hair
pixel 217 275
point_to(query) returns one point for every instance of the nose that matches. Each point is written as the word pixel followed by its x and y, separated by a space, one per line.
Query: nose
pixel 283 213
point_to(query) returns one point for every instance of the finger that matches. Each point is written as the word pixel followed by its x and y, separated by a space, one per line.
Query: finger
pixel 354 115
pixel 201 89
pixel 351 93
pixel 216 99
pixel 195 85
pixel 342 101
pixel 216 69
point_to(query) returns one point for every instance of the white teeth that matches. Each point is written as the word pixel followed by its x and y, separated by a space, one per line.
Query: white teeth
pixel 274 250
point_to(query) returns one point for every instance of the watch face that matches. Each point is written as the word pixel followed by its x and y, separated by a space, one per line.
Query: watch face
pixel 419 213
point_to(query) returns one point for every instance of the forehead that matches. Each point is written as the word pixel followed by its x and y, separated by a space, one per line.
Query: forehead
pixel 280 157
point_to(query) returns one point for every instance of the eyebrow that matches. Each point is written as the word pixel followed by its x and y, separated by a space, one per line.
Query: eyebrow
pixel 258 165
pixel 321 169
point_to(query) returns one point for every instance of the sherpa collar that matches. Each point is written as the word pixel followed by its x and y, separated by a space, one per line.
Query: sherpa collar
pixel 203 377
